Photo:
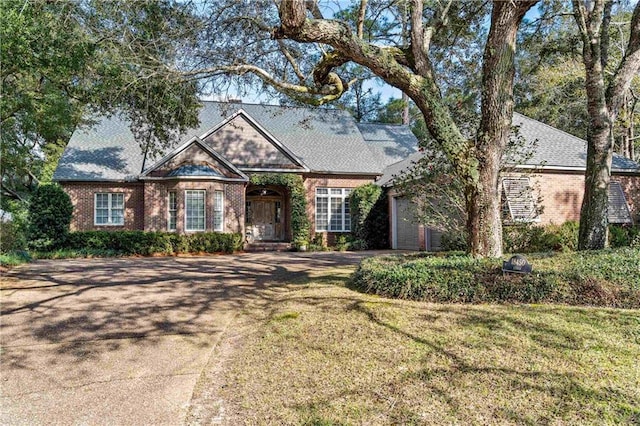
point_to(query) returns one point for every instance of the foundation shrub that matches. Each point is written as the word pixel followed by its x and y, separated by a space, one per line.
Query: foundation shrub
pixel 603 278
pixel 369 217
pixel 529 238
pixel 148 243
pixel 624 236
pixel 50 211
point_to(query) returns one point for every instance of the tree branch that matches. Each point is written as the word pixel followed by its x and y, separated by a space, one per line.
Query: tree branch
pixel 628 68
pixel 361 15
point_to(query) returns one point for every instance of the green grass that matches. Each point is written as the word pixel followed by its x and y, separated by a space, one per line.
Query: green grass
pixel 322 354
pixel 14 258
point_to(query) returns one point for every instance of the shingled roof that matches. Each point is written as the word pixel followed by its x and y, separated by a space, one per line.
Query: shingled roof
pixel 553 149
pixel 559 149
pixel 389 143
pixel 325 140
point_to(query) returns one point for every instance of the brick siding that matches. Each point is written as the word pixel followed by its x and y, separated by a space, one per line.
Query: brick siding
pixel 156 196
pixel 561 195
pixel 82 196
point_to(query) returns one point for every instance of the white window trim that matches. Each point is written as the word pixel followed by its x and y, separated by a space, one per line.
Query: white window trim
pixel 204 212
pixel 215 200
pixel 344 195
pixel 109 208
pixel 169 210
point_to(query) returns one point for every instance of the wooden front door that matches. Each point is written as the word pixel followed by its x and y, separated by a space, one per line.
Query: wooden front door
pixel 264 219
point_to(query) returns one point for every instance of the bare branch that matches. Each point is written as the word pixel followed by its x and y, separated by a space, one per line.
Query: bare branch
pixel 312 6
pixel 361 15
pixel 629 66
pixel 311 95
pixel 287 54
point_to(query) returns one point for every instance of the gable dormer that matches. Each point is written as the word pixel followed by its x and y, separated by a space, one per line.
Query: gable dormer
pixel 194 160
pixel 249 146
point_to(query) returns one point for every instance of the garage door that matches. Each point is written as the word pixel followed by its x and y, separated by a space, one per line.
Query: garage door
pixel 406 231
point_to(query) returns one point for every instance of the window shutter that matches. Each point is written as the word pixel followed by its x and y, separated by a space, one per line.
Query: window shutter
pixel 519 197
pixel 618 211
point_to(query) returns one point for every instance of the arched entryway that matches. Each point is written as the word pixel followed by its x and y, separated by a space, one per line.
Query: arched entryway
pixel 265 213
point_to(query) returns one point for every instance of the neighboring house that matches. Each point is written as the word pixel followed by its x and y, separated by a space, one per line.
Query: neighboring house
pixel 547 188
pixel 204 183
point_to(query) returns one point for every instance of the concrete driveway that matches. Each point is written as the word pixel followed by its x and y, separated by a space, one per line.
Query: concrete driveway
pixel 125 341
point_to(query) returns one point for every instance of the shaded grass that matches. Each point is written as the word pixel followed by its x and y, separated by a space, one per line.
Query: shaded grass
pixel 325 355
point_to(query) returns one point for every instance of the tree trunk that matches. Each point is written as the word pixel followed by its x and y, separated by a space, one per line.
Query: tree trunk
pixel 593 232
pixel 484 223
pixel 593 216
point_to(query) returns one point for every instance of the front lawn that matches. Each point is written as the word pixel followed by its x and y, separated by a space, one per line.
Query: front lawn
pixel 323 354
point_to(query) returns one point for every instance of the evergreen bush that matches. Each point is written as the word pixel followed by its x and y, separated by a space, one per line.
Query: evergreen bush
pixel 369 217
pixel 50 211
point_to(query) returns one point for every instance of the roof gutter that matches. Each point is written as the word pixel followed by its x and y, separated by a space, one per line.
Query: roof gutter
pixel 570 169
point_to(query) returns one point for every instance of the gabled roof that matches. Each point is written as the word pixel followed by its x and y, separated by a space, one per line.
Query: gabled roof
pixel 558 149
pixel 194 170
pixel 389 143
pixel 323 140
pixel 246 150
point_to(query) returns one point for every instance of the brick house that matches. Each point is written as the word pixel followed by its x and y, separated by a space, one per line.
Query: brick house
pixel 205 182
pixel 546 188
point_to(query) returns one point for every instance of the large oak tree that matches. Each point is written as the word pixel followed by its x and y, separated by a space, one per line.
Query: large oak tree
pixel 403 58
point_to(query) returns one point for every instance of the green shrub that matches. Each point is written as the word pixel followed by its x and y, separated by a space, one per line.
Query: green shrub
pixel 14 258
pixel 342 243
pixel 50 211
pixel 528 238
pixel 369 217
pixel 148 243
pixel 602 278
pixel 623 235
pixel 13 230
pixel 454 241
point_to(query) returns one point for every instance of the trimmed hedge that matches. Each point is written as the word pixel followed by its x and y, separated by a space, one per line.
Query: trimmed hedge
pixel 603 278
pixel 148 243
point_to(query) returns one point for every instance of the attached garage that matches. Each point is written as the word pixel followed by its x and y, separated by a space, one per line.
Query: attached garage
pixel 406 234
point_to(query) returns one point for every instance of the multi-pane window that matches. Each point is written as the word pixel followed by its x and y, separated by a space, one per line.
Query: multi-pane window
pixel 194 211
pixel 332 210
pixel 218 211
pixel 109 209
pixel 173 211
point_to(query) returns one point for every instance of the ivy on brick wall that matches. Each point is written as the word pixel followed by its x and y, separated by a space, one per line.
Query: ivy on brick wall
pixel 369 217
pixel 299 221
